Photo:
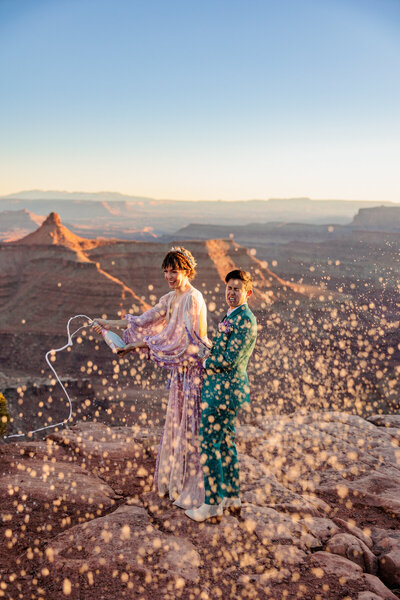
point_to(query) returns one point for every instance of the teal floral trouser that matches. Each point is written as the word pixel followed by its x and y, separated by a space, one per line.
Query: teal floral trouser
pixel 218 454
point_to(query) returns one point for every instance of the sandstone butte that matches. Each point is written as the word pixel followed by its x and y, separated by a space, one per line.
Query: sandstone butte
pixel 320 516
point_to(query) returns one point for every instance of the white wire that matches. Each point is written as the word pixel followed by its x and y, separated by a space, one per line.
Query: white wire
pixel 55 350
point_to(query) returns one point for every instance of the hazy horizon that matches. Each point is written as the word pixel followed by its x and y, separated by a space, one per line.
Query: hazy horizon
pixel 38 194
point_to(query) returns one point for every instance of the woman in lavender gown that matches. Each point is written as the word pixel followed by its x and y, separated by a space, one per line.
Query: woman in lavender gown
pixel 175 332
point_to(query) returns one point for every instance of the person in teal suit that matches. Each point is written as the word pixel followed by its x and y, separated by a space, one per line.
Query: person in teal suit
pixel 225 388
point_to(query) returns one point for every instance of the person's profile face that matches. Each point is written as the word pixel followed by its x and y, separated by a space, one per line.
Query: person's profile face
pixel 236 293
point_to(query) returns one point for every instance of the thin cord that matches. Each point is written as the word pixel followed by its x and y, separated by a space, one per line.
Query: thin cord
pixel 55 350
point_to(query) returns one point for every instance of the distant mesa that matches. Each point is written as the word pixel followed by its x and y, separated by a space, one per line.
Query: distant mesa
pixel 379 218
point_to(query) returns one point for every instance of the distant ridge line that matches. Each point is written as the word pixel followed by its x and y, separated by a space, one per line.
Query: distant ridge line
pixel 117 196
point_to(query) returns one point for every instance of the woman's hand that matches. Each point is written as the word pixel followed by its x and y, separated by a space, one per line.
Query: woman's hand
pixel 99 324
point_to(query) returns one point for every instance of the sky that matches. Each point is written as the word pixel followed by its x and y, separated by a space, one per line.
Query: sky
pixel 219 99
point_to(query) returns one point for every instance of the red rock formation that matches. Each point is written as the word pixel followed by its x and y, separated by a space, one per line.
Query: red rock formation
pixel 52 232
pixel 47 277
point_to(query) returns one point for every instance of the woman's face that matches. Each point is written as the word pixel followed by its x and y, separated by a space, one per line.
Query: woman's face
pixel 176 278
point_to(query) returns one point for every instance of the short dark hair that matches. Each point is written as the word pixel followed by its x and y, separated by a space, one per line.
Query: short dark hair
pixel 243 276
pixel 180 258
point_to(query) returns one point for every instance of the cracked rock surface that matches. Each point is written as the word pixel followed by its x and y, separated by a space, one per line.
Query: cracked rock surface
pixel 320 516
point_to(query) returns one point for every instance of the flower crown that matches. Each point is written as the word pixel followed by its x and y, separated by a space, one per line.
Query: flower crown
pixel 188 257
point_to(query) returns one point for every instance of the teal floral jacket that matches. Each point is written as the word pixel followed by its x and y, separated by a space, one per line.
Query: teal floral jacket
pixel 226 385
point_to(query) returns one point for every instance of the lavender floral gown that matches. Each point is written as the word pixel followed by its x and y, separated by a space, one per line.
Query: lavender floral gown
pixel 170 336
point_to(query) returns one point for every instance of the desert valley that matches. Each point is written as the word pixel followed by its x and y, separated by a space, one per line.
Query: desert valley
pixel 319 443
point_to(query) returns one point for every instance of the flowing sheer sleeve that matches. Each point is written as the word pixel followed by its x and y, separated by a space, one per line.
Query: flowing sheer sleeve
pixel 177 343
pixel 196 317
pixel 149 323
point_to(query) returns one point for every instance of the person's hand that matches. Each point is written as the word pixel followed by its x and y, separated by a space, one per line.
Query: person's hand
pixel 98 324
pixel 204 352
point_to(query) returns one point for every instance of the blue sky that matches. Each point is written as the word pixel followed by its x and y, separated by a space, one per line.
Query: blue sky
pixel 219 99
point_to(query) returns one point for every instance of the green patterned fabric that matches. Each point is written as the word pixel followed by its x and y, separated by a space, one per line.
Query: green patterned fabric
pixel 218 454
pixel 225 388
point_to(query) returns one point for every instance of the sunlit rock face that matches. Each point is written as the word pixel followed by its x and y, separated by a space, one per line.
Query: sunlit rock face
pixel 53 232
pixel 319 516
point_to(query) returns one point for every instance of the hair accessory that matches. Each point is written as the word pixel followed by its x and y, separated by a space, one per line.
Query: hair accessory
pixel 188 257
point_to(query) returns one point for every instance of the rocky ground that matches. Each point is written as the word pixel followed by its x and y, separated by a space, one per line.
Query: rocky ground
pixel 320 518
